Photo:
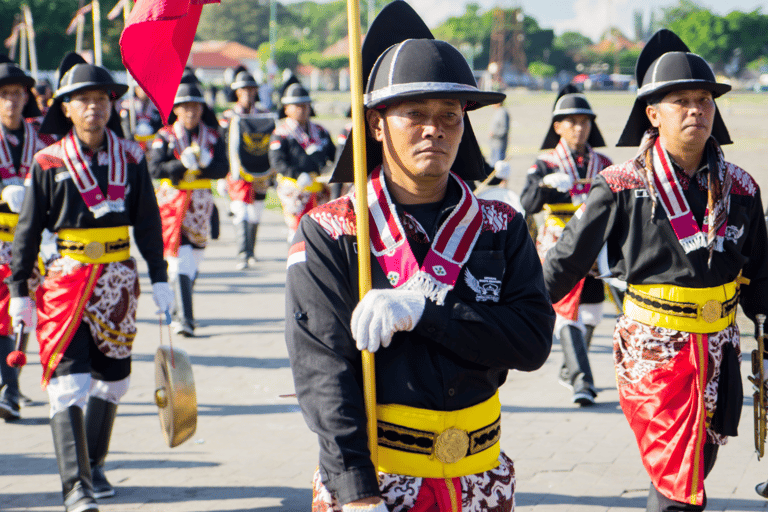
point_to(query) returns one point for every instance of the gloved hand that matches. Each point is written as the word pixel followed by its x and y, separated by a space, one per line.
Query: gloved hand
pixel 189 159
pixel 312 149
pixel 22 309
pixel 558 180
pixel 162 294
pixel 382 313
pixel 378 507
pixel 13 195
pixel 502 169
pixel 303 181
pixel 221 188
pixel 206 157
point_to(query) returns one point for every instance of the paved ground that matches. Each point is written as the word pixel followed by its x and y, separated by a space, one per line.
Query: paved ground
pixel 252 450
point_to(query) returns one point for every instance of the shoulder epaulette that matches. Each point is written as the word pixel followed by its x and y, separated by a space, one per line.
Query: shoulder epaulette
pixel 496 215
pixel 743 183
pixel 623 177
pixel 51 156
pixel 336 217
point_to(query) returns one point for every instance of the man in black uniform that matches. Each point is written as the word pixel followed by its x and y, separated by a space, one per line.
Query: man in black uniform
pixel 458 297
pixel 87 188
pixel 685 229
pixel 298 152
pixel 559 182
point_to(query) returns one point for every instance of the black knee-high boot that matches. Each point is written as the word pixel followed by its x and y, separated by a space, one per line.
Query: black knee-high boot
pixel 577 362
pixel 71 446
pixel 185 318
pixel 99 420
pixel 9 382
pixel 253 229
pixel 243 247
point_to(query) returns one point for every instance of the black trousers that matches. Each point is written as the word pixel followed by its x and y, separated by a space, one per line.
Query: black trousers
pixel 657 502
pixel 83 356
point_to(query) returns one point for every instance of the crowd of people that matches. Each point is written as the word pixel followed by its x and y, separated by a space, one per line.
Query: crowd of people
pixel 462 293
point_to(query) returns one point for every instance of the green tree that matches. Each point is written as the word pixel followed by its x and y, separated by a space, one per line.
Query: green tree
pixel 705 34
pixel 572 42
pixel 541 69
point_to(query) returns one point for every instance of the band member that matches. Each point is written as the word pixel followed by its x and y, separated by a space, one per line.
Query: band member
pixel 248 127
pixel 87 188
pixel 685 229
pixel 458 296
pixel 19 142
pixel 186 155
pixel 148 120
pixel 558 182
pixel 298 152
pixel 43 94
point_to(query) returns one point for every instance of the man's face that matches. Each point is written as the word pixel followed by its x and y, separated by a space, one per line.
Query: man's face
pixel 419 137
pixel 299 112
pixel 684 117
pixel 13 97
pixel 88 110
pixel 246 96
pixel 575 130
pixel 189 114
pixel 42 98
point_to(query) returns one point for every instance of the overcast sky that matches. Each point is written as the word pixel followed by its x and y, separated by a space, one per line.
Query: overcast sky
pixel 590 17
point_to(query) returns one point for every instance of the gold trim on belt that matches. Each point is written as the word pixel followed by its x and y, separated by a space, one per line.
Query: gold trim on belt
pixel 95 245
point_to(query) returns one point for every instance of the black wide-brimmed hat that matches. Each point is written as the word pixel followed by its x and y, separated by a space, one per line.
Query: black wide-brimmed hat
pixel 401 60
pixel 75 75
pixel 666 65
pixel 10 73
pixel 293 94
pixel 243 79
pixel 570 102
pixel 189 92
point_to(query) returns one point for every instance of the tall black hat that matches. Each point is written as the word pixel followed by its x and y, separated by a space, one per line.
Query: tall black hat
pixel 75 75
pixel 188 76
pixel 243 79
pixel 292 94
pixel 189 92
pixel 402 60
pixel 570 101
pixel 666 65
pixel 10 73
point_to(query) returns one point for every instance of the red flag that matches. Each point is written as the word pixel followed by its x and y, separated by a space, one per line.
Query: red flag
pixel 155 46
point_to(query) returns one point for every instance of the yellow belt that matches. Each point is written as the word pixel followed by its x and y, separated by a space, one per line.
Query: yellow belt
pixel 315 186
pixel 559 214
pixel 439 444
pixel 697 310
pixel 8 223
pixel 188 184
pixel 95 245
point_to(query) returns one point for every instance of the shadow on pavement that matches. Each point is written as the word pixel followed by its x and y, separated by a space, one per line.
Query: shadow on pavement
pixel 222 410
pixel 539 499
pixel 599 407
pixel 18 465
pixel 268 363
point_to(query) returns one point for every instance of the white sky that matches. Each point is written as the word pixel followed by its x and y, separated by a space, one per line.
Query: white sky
pixel 590 17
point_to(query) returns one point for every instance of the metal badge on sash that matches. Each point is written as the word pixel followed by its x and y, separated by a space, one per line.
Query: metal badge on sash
pixel 175 395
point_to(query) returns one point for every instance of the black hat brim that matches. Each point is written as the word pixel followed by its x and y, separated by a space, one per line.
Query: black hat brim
pixel 469 163
pixel 638 123
pixel 474 99
pixel 552 139
pixel 115 90
pixel 56 123
pixel 208 118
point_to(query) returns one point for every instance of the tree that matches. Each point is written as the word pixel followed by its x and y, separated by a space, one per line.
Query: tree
pixel 705 34
pixel 572 42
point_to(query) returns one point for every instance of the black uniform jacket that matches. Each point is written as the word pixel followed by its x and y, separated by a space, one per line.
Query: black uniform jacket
pixel 287 157
pixel 643 248
pixel 52 201
pixel 457 356
pixel 162 161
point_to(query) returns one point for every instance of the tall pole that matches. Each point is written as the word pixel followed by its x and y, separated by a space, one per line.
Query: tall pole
pixel 272 29
pixel 361 211
pixel 29 23
pixel 23 46
pixel 96 33
pixel 129 78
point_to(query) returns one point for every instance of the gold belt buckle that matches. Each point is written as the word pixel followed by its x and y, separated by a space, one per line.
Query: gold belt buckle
pixel 94 250
pixel 451 445
pixel 711 311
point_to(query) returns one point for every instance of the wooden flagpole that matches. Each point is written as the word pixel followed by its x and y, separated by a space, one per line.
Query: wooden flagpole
pixel 361 208
pixel 96 11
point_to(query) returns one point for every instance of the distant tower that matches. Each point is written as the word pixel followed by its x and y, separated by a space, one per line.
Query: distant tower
pixel 507 41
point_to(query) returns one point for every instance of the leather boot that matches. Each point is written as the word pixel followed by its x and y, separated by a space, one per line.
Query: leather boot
pixel 588 336
pixel 251 242
pixel 99 420
pixel 71 447
pixel 577 362
pixel 241 239
pixel 185 320
pixel 9 382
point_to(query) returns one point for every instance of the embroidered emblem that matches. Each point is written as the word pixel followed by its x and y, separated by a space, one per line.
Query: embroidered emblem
pixel 732 233
pixel 488 288
pixel 393 278
pixel 439 270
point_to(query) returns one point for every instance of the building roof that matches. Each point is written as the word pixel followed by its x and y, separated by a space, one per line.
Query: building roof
pixel 220 54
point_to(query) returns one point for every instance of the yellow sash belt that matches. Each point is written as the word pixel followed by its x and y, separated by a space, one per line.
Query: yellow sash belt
pixel 95 245
pixel 8 223
pixel 439 444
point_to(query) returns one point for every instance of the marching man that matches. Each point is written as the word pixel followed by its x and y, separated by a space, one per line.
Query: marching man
pixel 88 188
pixel 458 297
pixel 685 229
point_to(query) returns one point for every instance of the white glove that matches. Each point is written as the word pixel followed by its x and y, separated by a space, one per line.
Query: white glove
pixel 48 248
pixel 303 181
pixel 502 169
pixel 163 297
pixel 558 180
pixel 14 196
pixel 206 157
pixel 22 309
pixel 189 160
pixel 382 313
pixel 221 188
pixel 379 507
pixel 312 149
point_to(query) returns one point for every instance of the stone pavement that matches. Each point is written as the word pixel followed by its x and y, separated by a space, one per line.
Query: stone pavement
pixel 253 452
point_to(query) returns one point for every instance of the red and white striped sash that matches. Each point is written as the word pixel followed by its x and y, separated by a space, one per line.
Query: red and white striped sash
pixel 450 249
pixel 568 166
pixel 671 196
pixel 79 168
pixel 290 128
pixel 8 172
pixel 206 138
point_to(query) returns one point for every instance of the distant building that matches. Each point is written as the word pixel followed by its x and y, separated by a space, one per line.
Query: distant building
pixel 211 58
